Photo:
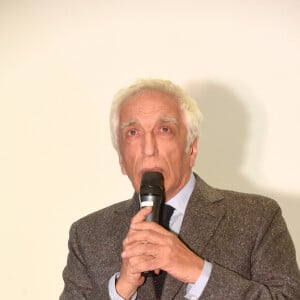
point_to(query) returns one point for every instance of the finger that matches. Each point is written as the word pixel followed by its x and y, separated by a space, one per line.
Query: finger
pixel 141 215
pixel 157 271
pixel 138 218
pixel 149 237
pixel 140 249
pixel 140 264
pixel 149 226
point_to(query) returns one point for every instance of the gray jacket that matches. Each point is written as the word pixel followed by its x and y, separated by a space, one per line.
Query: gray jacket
pixel 244 236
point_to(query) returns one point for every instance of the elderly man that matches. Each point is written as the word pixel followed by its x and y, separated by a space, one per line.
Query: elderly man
pixel 218 244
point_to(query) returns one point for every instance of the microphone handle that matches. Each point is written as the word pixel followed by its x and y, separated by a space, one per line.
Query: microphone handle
pixel 154 201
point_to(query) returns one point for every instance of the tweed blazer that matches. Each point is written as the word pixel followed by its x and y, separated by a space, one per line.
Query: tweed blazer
pixel 244 236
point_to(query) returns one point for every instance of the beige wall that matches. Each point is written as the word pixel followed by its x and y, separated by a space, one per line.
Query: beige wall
pixel 60 64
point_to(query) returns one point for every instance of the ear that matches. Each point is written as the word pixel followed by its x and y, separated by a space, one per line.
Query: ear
pixel 123 169
pixel 193 152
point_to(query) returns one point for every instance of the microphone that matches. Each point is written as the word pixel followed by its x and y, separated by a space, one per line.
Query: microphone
pixel 152 194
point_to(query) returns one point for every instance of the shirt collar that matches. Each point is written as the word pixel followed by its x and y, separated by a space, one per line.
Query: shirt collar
pixel 181 199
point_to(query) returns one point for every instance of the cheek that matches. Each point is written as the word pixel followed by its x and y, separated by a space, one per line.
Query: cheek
pixel 128 161
pixel 175 154
pixel 179 163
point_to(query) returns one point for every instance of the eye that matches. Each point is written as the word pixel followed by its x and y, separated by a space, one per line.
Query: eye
pixel 132 132
pixel 165 129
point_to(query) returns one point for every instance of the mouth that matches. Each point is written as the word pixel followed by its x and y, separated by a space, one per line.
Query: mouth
pixel 155 169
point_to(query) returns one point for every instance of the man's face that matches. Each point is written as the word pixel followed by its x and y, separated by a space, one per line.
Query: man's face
pixel 152 137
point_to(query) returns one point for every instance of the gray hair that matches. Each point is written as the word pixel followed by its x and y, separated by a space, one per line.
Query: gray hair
pixel 191 113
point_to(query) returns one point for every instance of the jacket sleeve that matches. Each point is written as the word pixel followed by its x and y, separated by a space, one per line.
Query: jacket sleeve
pixel 274 270
pixel 78 283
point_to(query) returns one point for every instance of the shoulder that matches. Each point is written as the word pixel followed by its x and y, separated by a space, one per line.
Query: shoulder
pixel 250 214
pixel 238 204
pixel 249 203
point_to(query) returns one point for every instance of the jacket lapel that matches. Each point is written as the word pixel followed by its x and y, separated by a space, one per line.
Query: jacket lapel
pixel 202 217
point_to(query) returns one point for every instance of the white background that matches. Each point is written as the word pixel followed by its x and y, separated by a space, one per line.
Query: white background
pixel 62 61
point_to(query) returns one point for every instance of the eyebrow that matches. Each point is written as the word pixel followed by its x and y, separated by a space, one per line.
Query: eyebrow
pixel 161 119
pixel 169 120
pixel 127 123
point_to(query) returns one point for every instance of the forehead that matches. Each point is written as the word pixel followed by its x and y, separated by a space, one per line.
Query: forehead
pixel 150 103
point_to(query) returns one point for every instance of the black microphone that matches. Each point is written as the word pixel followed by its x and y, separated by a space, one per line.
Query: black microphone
pixel 152 194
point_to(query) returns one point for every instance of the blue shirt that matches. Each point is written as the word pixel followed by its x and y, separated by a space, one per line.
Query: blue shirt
pixel 179 202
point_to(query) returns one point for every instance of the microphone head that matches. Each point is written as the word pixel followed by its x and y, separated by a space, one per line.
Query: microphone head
pixel 152 183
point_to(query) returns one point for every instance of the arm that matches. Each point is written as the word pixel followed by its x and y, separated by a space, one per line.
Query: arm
pixel 274 271
pixel 78 283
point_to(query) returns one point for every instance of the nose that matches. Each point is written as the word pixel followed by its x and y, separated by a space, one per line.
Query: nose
pixel 149 144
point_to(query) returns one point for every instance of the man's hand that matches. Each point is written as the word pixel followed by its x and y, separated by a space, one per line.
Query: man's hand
pixel 153 247
pixel 130 279
pixel 149 246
